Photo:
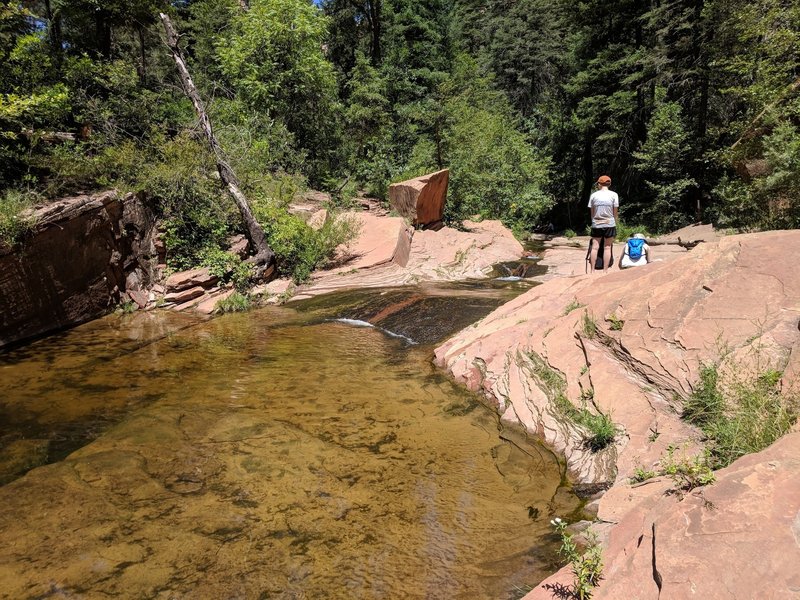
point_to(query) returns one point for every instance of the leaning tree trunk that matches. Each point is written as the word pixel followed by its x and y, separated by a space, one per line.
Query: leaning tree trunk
pixel 264 259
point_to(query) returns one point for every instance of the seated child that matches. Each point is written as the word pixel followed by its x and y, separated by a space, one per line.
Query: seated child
pixel 636 253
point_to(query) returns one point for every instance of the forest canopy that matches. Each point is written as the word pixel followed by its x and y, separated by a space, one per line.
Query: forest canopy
pixel 691 106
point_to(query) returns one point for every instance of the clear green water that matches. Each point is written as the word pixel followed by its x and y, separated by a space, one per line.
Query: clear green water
pixel 273 454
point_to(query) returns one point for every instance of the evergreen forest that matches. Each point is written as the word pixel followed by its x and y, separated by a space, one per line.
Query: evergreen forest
pixel 691 106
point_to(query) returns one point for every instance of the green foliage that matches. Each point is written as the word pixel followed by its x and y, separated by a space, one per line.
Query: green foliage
pixel 128 307
pixel 13 222
pixel 228 267
pixel 745 416
pixel 625 231
pixel 299 248
pixel 494 171
pixel 706 403
pixel 272 55
pixel 588 325
pixel 662 162
pixel 600 430
pixel 688 473
pixel 587 566
pixel 574 305
pixel 616 323
pixel 236 302
pixel 640 474
pixel 569 234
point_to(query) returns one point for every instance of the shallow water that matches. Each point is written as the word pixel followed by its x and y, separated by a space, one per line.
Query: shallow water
pixel 275 454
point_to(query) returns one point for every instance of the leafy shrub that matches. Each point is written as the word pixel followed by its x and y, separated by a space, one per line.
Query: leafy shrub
pixel 299 248
pixel 236 302
pixel 745 416
pixel 587 566
pixel 616 323
pixel 688 472
pixel 641 474
pixel 228 267
pixel 569 234
pixel 706 403
pixel 494 171
pixel 625 231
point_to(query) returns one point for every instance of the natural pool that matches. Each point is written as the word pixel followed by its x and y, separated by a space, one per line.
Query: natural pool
pixel 273 454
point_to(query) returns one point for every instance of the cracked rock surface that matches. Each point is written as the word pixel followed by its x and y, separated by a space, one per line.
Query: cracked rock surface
pixel 738 298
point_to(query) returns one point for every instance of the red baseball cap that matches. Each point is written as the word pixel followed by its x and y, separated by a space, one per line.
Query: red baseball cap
pixel 604 180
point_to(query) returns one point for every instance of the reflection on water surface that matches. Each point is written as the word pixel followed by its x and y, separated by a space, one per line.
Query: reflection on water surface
pixel 260 456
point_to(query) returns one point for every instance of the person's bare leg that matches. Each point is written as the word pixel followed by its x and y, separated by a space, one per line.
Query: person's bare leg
pixel 607 253
pixel 593 256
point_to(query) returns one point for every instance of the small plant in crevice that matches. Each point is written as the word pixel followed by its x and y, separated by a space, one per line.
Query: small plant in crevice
pixel 600 430
pixel 688 473
pixel 127 307
pixel 706 403
pixel 587 566
pixel 616 322
pixel 569 234
pixel 14 224
pixel 574 305
pixel 640 474
pixel 588 325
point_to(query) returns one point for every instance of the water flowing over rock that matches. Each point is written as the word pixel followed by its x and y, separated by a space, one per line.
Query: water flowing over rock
pixel 85 253
pixel 738 297
pixel 421 200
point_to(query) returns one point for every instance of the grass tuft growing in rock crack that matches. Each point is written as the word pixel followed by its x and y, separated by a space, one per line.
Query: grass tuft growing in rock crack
pixel 599 430
pixel 746 415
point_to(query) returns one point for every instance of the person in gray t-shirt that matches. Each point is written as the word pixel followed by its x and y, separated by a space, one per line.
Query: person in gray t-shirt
pixel 604 206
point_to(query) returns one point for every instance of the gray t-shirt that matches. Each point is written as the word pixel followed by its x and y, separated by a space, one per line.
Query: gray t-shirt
pixel 604 202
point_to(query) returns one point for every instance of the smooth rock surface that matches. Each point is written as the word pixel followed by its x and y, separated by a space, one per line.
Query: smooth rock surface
pixel 192 278
pixel 388 253
pixel 738 297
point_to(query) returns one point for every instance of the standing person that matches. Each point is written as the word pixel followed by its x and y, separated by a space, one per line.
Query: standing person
pixel 604 207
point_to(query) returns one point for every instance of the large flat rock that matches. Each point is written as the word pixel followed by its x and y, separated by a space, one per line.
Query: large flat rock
pixel 388 253
pixel 738 298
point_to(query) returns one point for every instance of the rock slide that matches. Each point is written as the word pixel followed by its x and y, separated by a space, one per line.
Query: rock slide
pixel 655 327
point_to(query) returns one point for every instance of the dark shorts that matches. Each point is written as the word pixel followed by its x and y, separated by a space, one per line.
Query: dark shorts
pixel 604 232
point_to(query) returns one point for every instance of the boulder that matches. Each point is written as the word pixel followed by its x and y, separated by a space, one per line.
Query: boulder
pixel 192 278
pixel 421 200
pixel 209 304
